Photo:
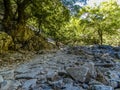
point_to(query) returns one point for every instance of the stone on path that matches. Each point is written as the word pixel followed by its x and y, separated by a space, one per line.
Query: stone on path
pixel 101 87
pixel 92 69
pixel 8 74
pixel 71 87
pixel 29 84
pixel 95 82
pixel 79 73
pixel 28 75
pixel 1 79
pixel 101 78
pixel 114 78
pixel 113 83
pixel 10 85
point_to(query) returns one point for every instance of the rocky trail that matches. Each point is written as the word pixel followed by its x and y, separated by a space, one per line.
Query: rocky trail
pixel 72 68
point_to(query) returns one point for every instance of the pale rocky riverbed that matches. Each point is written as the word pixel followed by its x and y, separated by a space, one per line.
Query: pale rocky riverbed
pixel 72 68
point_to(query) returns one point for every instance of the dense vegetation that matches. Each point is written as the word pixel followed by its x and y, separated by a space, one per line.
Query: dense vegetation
pixel 28 23
pixel 96 25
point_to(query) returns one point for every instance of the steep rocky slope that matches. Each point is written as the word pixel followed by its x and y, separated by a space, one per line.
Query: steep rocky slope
pixel 71 68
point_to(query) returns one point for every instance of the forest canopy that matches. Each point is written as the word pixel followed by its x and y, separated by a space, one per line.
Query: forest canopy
pixel 29 23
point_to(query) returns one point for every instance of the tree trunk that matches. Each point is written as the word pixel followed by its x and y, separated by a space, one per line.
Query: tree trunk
pixel 21 15
pixel 8 16
pixel 9 22
pixel 100 33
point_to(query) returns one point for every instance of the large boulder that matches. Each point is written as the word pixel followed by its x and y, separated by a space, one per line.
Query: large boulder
pixel 5 41
pixel 22 34
pixel 79 73
pixel 37 43
pixel 25 38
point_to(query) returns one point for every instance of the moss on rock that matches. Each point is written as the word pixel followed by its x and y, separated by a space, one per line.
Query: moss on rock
pixel 27 40
pixel 6 41
pixel 38 43
pixel 22 34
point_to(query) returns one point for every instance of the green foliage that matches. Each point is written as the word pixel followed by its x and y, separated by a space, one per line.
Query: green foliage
pixel 91 25
pixel 94 25
pixel 46 15
pixel 104 19
pixel 50 16
pixel 5 41
pixel 71 31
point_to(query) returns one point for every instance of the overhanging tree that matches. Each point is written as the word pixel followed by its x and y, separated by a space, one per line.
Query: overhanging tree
pixel 49 14
pixel 14 14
